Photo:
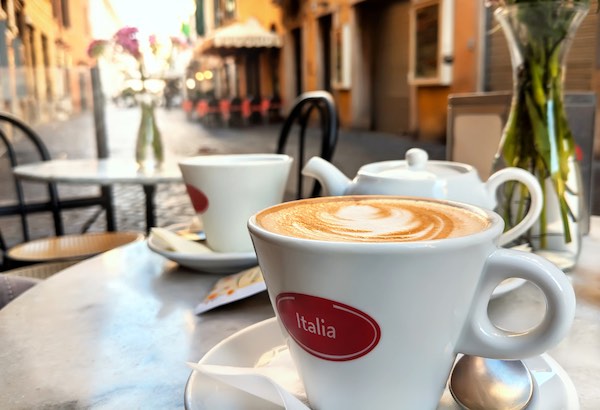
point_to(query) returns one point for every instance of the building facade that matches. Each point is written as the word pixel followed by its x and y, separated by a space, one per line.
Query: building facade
pixel 43 58
pixel 239 45
pixel 391 64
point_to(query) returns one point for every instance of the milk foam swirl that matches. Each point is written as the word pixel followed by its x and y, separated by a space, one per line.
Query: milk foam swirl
pixel 371 220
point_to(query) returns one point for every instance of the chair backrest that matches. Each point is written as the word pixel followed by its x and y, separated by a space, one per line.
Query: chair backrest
pixel 305 104
pixel 20 144
pixel 476 121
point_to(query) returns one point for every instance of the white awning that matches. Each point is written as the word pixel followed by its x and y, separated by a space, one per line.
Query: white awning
pixel 250 34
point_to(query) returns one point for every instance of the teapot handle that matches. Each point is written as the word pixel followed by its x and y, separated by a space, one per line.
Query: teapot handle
pixel 535 193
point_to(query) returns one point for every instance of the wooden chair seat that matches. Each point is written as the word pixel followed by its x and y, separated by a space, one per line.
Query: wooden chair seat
pixel 69 247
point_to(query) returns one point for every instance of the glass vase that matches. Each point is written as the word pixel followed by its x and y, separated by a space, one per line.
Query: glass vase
pixel 537 136
pixel 149 146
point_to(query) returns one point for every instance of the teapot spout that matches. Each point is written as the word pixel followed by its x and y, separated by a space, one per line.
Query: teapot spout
pixel 332 179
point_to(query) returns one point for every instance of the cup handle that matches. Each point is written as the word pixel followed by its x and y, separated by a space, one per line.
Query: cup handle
pixel 535 192
pixel 481 338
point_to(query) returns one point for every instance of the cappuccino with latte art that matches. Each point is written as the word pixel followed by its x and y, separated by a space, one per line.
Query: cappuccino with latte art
pixel 392 288
pixel 371 219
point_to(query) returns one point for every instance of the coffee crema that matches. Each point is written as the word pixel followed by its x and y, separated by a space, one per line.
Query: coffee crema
pixel 370 219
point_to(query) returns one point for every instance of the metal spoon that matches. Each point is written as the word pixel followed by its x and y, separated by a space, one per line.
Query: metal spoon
pixel 478 383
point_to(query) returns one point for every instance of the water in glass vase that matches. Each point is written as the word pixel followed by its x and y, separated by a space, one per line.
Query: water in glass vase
pixel 537 136
pixel 149 148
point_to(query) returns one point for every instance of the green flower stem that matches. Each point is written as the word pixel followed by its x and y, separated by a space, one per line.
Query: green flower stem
pixel 537 136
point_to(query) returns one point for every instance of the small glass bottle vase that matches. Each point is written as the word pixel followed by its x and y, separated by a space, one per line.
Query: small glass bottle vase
pixel 149 147
pixel 537 136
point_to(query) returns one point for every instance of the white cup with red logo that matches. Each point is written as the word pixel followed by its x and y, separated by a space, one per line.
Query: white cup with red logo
pixel 379 325
pixel 225 190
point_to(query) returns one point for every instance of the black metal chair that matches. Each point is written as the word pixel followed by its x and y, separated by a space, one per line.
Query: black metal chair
pixel 305 104
pixel 20 144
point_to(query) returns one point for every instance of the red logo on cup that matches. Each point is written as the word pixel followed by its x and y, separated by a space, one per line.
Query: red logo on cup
pixel 327 329
pixel 199 200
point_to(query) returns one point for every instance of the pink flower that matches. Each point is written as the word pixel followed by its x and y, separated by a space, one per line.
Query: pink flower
pixel 96 48
pixel 126 38
pixel 153 43
pixel 126 42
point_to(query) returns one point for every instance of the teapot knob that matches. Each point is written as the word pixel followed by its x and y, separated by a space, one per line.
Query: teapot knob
pixel 416 159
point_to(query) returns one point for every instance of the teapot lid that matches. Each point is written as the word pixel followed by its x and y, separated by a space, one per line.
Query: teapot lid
pixel 417 167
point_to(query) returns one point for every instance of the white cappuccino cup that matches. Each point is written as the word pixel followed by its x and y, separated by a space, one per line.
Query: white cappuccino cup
pixel 226 190
pixel 376 295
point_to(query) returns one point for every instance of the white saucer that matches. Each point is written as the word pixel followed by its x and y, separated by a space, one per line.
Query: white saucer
pixel 553 387
pixel 217 262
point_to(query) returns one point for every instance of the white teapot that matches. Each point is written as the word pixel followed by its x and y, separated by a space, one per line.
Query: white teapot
pixel 416 176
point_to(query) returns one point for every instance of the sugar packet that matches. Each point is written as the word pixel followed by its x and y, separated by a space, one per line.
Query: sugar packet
pixel 231 288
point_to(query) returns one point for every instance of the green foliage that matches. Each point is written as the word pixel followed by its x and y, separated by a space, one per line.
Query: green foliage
pixel 537 136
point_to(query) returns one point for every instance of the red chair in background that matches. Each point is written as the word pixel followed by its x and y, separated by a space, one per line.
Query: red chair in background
pixel 264 108
pixel 188 108
pixel 201 109
pixel 224 108
pixel 245 109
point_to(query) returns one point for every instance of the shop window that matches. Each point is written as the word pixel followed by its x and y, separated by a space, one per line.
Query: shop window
pixel 66 18
pixel 56 9
pixel 225 11
pixel 431 42
pixel 342 60
pixel 230 9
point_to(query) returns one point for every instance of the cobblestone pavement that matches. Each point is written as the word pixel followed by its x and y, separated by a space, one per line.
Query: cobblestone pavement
pixel 75 138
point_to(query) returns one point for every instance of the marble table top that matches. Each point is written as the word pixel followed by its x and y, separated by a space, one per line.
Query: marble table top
pixel 97 171
pixel 115 331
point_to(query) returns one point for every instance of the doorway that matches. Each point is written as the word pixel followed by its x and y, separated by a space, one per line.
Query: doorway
pixel 385 31
pixel 297 38
pixel 252 74
pixel 325 51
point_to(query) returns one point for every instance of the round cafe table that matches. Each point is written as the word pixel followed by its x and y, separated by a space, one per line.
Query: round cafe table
pixel 106 171
pixel 115 331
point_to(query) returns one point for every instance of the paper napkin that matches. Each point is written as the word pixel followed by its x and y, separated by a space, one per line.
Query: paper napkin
pixel 274 378
pixel 172 241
